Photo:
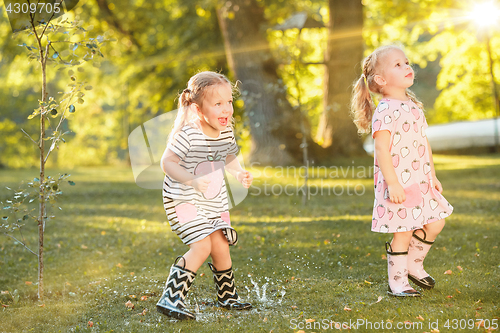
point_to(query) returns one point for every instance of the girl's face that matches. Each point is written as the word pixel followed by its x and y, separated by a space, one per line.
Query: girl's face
pixel 216 110
pixel 396 73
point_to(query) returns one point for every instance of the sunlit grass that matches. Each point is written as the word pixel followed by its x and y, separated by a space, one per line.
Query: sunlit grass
pixel 111 244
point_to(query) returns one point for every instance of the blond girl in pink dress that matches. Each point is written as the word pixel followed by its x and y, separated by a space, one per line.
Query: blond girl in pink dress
pixel 408 200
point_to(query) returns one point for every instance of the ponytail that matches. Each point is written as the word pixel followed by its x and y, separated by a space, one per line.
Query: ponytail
pixel 362 105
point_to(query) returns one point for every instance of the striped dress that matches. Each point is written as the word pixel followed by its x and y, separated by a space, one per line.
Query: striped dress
pixel 194 215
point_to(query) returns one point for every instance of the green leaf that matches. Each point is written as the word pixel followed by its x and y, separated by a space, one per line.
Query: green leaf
pixel 72 108
pixel 75 46
pixel 5 218
pixel 53 112
pixel 88 88
pixel 36 179
pixel 25 217
pixel 72 183
pixel 56 55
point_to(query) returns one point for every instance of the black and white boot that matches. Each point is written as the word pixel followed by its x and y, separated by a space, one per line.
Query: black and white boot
pixel 397 269
pixel 416 254
pixel 177 286
pixel 227 297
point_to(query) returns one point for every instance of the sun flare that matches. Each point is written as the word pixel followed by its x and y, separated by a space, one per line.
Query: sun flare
pixel 485 14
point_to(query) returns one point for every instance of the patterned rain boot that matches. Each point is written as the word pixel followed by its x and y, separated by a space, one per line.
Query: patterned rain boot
pixel 416 254
pixel 227 296
pixel 397 263
pixel 177 286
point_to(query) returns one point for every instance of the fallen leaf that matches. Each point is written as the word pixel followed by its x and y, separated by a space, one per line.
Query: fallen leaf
pixel 103 232
pixel 476 254
pixel 480 323
pixel 132 296
pixel 129 305
pixel 119 265
pixel 143 313
pixel 407 322
pixel 301 331
pixel 294 307
pixel 449 296
pixel 435 331
pixel 347 309
pixel 310 320
pixel 458 291
pixel 41 305
pixel 384 257
pixel 420 317
pixel 479 308
pixel 90 324
pixel 379 299
pixel 448 272
pixel 265 320
pixel 202 274
pixel 368 254
pixel 29 283
pixel 84 247
pixel 132 273
pixel 368 282
pixel 5 305
pixel 143 298
pixel 5 292
pixel 460 268
pixel 68 284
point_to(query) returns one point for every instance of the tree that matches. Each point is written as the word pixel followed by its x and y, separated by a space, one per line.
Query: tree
pixel 49 47
pixel 274 123
pixel 343 57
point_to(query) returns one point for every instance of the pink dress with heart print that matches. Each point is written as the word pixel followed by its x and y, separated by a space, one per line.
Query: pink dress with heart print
pixel 411 160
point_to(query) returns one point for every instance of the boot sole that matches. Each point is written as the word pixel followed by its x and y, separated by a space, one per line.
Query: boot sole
pixel 174 313
pixel 420 283
pixel 229 307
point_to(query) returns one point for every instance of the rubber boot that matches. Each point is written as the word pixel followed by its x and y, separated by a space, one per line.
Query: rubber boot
pixel 416 254
pixel 227 297
pixel 397 268
pixel 176 288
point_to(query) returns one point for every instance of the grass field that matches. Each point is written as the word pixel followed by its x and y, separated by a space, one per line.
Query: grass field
pixel 303 268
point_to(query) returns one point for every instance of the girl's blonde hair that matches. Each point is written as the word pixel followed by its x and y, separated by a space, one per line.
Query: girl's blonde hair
pixel 198 87
pixel 362 105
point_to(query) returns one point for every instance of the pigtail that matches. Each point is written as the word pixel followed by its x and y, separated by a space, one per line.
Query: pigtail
pixel 411 95
pixel 362 105
pixel 185 113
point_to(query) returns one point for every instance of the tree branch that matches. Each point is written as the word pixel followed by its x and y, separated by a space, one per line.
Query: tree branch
pixel 29 137
pixel 27 248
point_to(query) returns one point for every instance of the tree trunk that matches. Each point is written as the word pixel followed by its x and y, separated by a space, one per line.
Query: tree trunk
pixel 274 123
pixel 343 61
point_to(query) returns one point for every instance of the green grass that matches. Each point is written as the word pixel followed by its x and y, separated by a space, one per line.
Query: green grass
pixel 111 243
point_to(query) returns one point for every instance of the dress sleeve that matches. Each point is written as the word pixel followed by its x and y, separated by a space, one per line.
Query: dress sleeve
pixel 384 118
pixel 180 145
pixel 233 147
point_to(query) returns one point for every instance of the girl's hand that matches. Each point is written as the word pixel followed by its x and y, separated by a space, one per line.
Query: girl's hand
pixel 396 193
pixel 200 184
pixel 437 184
pixel 245 178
